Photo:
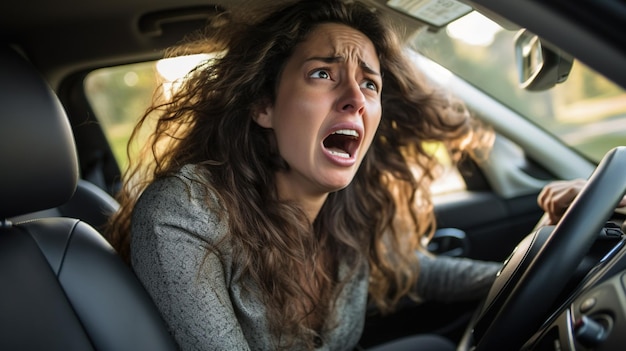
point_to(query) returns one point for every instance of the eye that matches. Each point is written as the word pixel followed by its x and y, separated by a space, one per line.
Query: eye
pixel 368 84
pixel 320 74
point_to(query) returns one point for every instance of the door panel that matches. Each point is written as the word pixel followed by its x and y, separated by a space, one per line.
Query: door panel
pixel 492 225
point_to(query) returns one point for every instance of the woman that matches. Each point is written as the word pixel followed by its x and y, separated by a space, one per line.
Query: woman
pixel 286 180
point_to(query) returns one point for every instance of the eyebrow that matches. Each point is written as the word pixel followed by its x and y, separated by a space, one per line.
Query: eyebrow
pixel 339 59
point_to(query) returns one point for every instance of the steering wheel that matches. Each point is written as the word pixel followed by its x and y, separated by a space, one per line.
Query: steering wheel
pixel 540 266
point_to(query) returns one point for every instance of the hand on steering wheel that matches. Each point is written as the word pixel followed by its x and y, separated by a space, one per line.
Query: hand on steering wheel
pixel 556 197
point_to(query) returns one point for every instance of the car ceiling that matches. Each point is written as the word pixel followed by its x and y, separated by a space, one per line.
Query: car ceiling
pixel 62 36
pixel 65 36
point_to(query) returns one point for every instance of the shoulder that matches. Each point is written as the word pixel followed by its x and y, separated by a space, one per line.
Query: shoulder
pixel 191 181
pixel 189 187
pixel 182 200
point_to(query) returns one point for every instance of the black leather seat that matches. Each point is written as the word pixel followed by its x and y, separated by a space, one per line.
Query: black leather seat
pixel 63 287
pixel 89 203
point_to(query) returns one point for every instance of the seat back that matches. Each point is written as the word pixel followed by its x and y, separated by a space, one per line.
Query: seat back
pixel 63 285
pixel 89 203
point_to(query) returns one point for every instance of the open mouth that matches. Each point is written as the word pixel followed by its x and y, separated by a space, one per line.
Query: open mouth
pixel 342 142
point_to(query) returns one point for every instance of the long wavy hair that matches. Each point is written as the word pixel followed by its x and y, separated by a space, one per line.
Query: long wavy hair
pixel 380 218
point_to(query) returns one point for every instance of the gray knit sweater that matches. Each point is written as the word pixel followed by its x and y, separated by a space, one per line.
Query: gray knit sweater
pixel 209 310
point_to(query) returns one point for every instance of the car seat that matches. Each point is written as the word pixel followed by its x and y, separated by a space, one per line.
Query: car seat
pixel 63 286
pixel 89 203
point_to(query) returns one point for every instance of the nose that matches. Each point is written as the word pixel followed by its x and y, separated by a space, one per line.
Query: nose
pixel 352 99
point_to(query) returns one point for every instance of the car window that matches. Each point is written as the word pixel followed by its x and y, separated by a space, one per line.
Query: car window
pixel 120 95
pixel 586 112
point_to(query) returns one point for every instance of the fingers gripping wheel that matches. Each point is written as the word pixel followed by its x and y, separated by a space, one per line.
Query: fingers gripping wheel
pixel 540 267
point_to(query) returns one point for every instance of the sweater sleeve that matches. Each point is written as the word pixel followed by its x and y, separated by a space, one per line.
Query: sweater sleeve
pixel 171 229
pixel 450 279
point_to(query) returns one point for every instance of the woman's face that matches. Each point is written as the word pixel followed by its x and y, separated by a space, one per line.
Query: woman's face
pixel 327 110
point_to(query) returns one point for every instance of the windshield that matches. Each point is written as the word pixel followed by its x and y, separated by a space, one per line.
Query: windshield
pixel 586 112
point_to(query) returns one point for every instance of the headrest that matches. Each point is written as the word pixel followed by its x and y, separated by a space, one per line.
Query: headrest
pixel 39 163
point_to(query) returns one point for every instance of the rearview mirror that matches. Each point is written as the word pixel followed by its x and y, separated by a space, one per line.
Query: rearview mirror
pixel 539 65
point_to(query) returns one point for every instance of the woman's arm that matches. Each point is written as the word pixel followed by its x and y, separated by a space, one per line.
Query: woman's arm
pixel 449 279
pixel 168 247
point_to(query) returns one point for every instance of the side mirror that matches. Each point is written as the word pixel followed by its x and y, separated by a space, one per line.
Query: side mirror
pixel 539 65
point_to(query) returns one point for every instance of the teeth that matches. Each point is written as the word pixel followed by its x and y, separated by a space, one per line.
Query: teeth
pixel 348 132
pixel 340 154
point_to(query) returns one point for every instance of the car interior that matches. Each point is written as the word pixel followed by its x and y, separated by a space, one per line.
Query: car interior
pixel 68 288
pixel 562 287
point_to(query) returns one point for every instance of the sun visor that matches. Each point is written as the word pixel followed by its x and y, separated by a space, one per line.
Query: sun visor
pixel 439 13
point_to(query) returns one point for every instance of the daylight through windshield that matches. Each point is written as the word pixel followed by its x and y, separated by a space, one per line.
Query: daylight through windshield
pixel 586 112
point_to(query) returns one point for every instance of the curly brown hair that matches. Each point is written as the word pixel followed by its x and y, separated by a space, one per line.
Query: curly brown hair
pixel 380 217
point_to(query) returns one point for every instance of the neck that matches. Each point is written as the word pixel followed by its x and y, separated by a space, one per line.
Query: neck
pixel 310 202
